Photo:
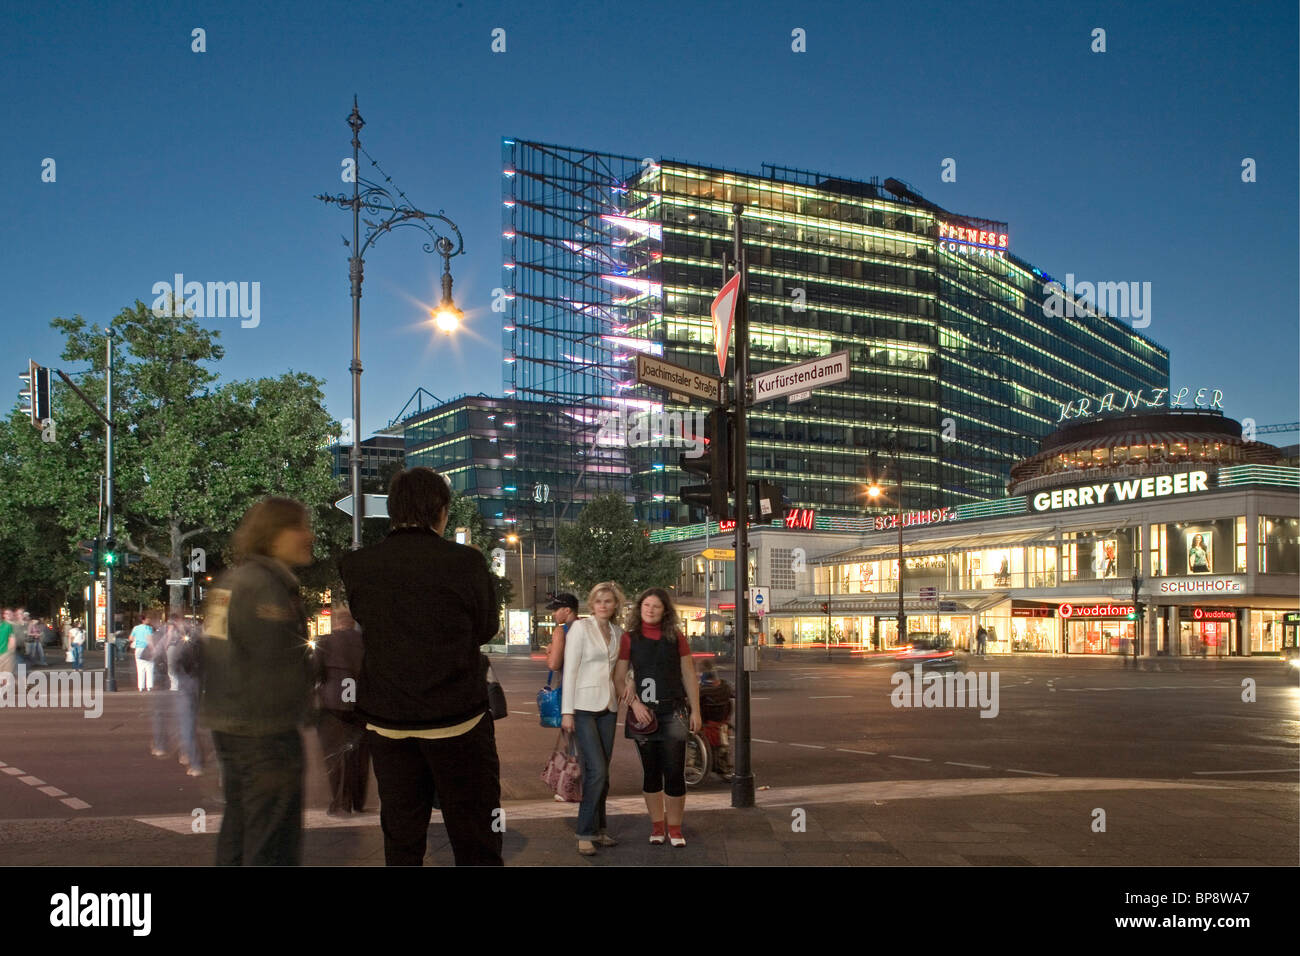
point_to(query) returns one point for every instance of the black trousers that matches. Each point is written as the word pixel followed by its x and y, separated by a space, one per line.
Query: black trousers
pixel 466 775
pixel 347 759
pixel 262 779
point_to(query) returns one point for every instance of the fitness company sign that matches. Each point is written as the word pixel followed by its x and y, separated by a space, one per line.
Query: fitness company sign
pixel 1157 486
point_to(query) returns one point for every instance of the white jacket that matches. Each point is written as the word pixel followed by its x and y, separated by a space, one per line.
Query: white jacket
pixel 589 667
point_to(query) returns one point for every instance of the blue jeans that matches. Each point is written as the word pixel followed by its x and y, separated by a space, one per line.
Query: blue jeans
pixel 262 779
pixel 594 732
pixel 77 651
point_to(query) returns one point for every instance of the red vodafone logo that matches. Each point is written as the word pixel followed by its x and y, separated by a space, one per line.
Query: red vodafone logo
pixel 1095 610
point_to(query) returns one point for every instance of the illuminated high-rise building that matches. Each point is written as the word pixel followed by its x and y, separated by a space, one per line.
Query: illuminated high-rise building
pixel 950 341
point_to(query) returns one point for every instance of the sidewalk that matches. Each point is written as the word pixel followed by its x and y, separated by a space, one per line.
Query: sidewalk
pixel 1021 822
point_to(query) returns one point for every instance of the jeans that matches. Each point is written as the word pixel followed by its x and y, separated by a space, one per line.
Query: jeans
pixel 78 651
pixel 187 726
pixel 35 653
pixel 262 779
pixel 466 774
pixel 595 735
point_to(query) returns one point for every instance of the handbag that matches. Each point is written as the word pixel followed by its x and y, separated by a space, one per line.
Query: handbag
pixel 496 695
pixel 548 703
pixel 563 773
pixel 635 730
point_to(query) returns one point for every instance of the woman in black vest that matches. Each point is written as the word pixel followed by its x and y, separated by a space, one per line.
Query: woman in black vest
pixel 666 685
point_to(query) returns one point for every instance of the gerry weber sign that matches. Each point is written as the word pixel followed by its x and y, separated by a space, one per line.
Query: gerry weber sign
pixel 1110 492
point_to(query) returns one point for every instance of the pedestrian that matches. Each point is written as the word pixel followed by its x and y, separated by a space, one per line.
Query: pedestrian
pixel 8 645
pixel 163 705
pixel 667 688
pixel 981 640
pixel 258 680
pixel 425 605
pixel 35 652
pixel 77 644
pixel 185 669
pixel 590 706
pixel 342 733
pixel 141 643
pixel 1123 650
pixel 780 643
pixel 565 607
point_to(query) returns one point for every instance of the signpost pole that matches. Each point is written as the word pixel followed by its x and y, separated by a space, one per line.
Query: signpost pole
pixel 742 786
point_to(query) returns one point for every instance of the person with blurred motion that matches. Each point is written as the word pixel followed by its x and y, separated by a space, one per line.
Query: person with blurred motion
pixel 162 702
pixel 425 605
pixel 590 706
pixel 665 685
pixel 258 682
pixel 342 734
pixel 8 646
pixel 76 644
pixel 141 639
pixel 35 649
pixel 185 668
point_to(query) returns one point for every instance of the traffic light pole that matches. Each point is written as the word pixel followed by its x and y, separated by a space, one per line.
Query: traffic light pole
pixel 109 569
pixel 742 786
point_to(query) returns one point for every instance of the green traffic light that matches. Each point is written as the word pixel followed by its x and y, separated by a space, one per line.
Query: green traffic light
pixel 110 558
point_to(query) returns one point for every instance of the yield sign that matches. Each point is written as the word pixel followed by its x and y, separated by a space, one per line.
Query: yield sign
pixel 723 311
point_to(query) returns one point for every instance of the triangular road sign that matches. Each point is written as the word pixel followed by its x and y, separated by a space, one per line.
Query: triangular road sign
pixel 723 311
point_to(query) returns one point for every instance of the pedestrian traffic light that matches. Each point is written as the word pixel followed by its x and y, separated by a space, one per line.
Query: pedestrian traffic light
pixel 1138 610
pixel 35 393
pixel 714 465
pixel 110 552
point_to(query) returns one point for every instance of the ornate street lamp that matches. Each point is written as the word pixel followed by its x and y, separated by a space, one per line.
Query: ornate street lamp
pixel 395 211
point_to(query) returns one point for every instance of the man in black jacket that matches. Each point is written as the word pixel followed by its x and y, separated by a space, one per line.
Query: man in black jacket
pixel 425 605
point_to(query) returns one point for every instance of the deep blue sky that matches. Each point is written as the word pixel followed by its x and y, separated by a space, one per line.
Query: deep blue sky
pixel 1117 166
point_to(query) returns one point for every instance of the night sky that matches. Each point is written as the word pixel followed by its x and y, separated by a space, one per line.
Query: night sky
pixel 1117 166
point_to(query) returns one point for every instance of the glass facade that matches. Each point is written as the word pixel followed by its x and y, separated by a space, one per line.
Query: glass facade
pixel 950 344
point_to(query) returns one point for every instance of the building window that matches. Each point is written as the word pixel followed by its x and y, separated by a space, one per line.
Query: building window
pixel 1279 545
pixel 782 575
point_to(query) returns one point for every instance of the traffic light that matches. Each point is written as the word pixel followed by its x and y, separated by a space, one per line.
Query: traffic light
pixel 89 552
pixel 714 466
pixel 35 392
pixel 1138 611
pixel 110 552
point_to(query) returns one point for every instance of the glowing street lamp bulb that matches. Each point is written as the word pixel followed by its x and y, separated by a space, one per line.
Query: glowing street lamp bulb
pixel 447 318
pixel 874 491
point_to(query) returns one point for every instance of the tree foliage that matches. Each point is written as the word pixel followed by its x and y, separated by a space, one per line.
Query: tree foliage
pixel 190 456
pixel 606 544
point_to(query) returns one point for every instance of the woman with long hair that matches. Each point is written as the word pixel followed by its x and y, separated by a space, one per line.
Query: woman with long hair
pixel 590 706
pixel 667 689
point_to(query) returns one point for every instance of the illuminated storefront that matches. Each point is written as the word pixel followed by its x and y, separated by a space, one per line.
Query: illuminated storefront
pixel 1215 549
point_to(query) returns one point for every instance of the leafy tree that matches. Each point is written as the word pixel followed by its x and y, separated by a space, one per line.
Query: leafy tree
pixel 606 544
pixel 189 456
pixel 463 512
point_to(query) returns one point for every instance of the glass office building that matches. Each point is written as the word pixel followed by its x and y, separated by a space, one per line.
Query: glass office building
pixel 951 345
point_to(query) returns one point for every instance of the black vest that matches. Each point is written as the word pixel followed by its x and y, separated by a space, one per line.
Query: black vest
pixel 660 662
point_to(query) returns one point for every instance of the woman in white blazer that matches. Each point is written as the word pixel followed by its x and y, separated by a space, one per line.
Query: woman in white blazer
pixel 590 706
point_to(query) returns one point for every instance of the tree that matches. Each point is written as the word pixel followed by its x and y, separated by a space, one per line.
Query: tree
pixel 190 457
pixel 606 544
pixel 463 512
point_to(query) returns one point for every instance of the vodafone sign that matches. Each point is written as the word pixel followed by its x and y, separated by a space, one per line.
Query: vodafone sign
pixel 1095 610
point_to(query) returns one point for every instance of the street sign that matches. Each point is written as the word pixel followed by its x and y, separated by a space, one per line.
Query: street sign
pixel 720 554
pixel 758 600
pixel 179 581
pixel 947 606
pixel 723 311
pixel 677 378
pixel 801 377
pixel 799 397
pixel 929 594
pixel 376 506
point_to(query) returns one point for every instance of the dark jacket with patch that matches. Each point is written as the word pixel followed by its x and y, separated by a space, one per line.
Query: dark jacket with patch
pixel 258 671
pixel 425 606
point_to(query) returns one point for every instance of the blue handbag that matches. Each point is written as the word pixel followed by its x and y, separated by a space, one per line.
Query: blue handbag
pixel 548 703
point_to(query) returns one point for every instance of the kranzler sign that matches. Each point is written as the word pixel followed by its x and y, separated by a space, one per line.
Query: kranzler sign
pixel 1117 492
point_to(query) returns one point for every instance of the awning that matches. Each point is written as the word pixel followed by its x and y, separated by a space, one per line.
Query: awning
pixel 1008 539
pixel 877 607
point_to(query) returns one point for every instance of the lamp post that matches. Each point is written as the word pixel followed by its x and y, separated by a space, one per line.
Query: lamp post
pixel 875 490
pixel 396 211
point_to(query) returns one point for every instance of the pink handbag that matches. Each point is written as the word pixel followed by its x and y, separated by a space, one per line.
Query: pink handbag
pixel 563 773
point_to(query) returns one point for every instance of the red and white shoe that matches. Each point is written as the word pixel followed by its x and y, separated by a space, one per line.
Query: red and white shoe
pixel 675 836
pixel 657 832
